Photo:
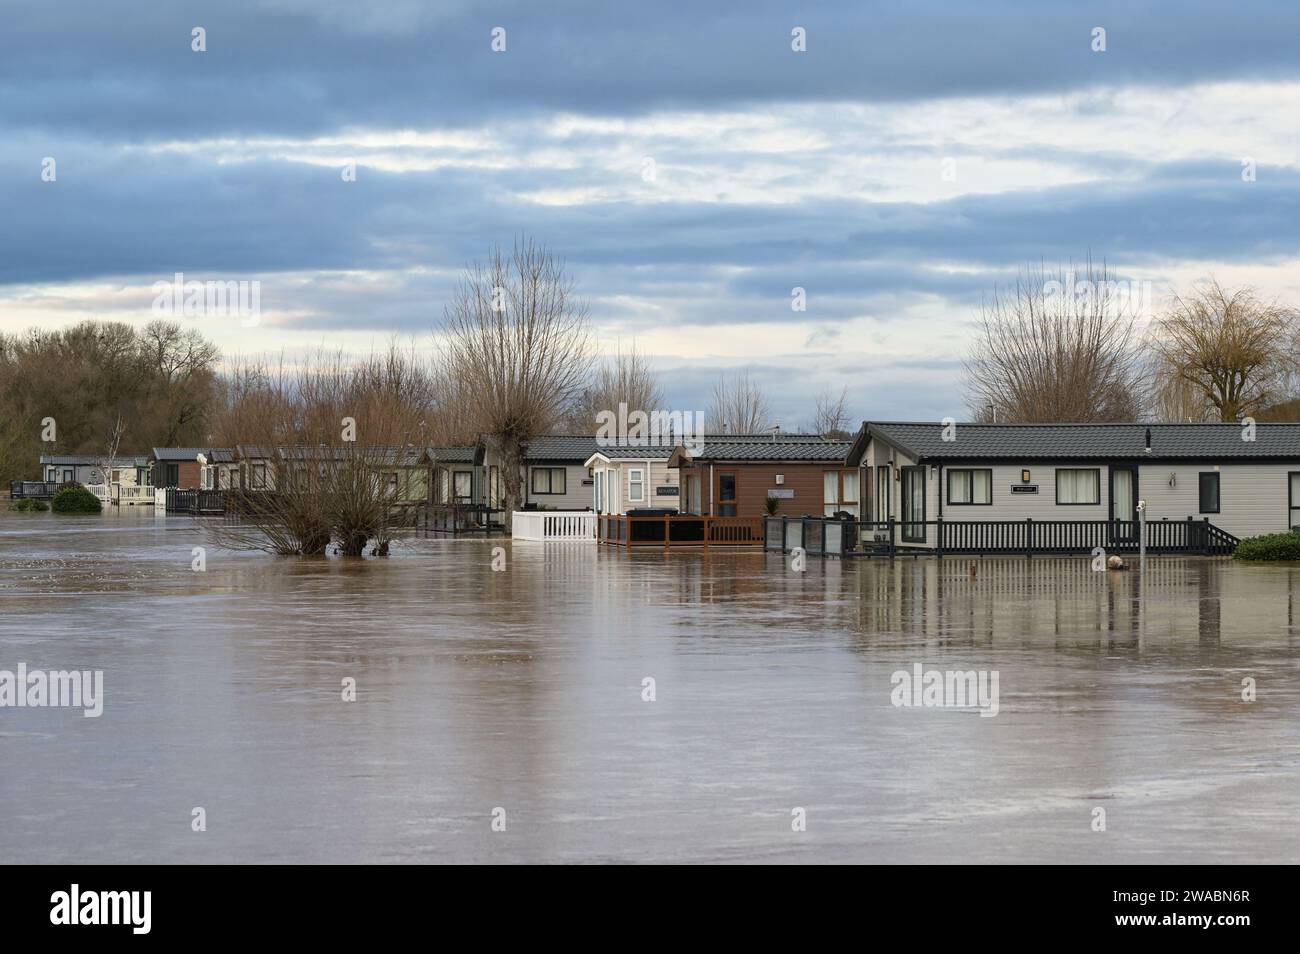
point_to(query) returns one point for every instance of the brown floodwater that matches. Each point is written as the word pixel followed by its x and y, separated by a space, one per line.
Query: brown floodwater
pixel 522 690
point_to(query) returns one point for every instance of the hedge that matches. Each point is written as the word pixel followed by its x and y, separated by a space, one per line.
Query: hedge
pixel 74 498
pixel 29 505
pixel 1270 546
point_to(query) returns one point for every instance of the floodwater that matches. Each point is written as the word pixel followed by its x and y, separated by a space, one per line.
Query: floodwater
pixel 522 691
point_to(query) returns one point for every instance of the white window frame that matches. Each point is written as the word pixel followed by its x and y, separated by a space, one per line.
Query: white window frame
pixel 636 485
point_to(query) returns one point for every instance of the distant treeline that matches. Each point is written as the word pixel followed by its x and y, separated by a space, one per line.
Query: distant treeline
pixel 157 384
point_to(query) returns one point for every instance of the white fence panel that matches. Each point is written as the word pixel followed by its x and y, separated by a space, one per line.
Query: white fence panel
pixel 553 526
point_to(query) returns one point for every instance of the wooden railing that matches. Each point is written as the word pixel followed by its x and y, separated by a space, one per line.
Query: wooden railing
pixel 103 491
pixel 132 494
pixel 828 536
pixel 553 526
pixel 682 529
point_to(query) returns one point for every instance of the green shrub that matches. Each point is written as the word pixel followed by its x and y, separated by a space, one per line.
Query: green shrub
pixel 29 505
pixel 74 498
pixel 1270 546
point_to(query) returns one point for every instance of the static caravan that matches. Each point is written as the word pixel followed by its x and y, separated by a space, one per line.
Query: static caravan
pixel 553 473
pixel 1241 480
pixel 177 467
pixel 86 469
pixel 735 476
pixel 634 478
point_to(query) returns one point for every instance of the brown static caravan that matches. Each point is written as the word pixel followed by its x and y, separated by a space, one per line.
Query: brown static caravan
pixel 734 477
pixel 177 467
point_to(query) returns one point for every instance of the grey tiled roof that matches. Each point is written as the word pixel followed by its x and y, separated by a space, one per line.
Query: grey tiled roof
pixel 453 455
pixel 178 453
pixel 572 447
pixel 89 460
pixel 811 449
pixel 1090 441
pixel 630 452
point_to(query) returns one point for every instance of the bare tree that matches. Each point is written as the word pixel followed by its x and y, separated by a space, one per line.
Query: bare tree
pixel 1228 353
pixel 738 405
pixel 112 444
pixel 623 378
pixel 831 415
pixel 1058 346
pixel 518 337
pixel 339 442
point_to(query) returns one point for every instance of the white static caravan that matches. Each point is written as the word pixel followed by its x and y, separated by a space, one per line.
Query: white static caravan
pixel 553 473
pixel 86 469
pixel 635 478
pixel 1243 481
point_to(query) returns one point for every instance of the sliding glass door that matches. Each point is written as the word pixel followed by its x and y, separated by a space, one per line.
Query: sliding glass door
pixel 1123 503
pixel 912 501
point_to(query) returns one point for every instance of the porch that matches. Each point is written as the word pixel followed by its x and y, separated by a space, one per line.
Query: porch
pixel 123 495
pixel 826 536
pixel 681 529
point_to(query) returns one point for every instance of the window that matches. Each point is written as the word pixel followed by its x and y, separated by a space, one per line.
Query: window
pixel 1209 486
pixel 970 487
pixel 463 484
pixel 259 476
pixel 67 476
pixel 839 492
pixel 882 493
pixel 205 477
pixel 1293 498
pixel 599 490
pixel 1078 485
pixel 172 475
pixel 727 495
pixel 548 480
pixel 635 485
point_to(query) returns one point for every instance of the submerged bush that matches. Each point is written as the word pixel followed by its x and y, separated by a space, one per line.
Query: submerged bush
pixel 74 498
pixel 28 505
pixel 1270 546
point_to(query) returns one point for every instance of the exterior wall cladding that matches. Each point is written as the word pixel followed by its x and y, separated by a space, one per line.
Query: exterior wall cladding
pixel 577 494
pixel 755 480
pixel 1253 497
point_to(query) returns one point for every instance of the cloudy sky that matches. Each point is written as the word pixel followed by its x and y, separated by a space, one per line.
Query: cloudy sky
pixel 686 162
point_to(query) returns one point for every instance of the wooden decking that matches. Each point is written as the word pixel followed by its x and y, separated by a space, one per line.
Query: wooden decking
pixel 679 530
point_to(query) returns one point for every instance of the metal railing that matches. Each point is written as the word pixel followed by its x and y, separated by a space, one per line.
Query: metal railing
pixel 194 502
pixel 460 518
pixel 827 536
pixel 18 489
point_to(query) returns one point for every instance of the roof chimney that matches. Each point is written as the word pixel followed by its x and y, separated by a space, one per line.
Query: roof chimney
pixel 1148 440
